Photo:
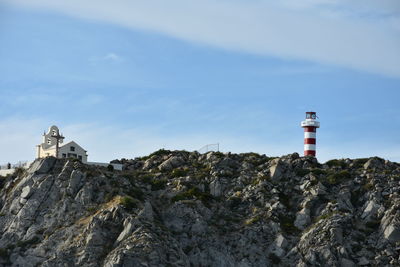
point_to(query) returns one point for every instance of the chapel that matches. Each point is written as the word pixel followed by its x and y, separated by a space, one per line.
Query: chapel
pixel 52 145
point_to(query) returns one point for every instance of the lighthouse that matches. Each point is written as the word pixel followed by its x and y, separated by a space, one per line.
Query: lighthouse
pixel 310 126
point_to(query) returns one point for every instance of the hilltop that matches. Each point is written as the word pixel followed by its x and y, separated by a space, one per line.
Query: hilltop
pixel 178 208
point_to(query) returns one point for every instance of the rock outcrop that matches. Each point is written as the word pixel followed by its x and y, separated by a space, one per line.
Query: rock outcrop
pixel 178 208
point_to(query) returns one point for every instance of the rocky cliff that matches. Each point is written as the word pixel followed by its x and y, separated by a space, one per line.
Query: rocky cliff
pixel 188 209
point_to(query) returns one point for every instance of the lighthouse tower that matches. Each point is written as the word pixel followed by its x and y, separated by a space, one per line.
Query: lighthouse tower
pixel 310 126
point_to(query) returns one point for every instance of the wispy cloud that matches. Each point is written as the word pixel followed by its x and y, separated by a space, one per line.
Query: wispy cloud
pixel 363 35
pixel 110 57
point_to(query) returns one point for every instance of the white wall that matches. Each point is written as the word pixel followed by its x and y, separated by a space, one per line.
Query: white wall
pixel 6 172
pixel 66 151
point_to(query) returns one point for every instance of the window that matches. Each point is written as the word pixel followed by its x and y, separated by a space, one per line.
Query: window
pixel 80 158
pixel 54 132
pixel 72 148
pixel 64 155
pixel 48 141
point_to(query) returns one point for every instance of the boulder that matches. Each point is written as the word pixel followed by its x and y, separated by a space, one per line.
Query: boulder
pixel 147 212
pixel 128 229
pixel 344 200
pixel 74 181
pixel 227 163
pixel 171 163
pixel 370 210
pixel 150 163
pixel 346 263
pixel 363 261
pixel 26 192
pixel 281 241
pixel 318 190
pixel 276 171
pixel 374 163
pixel 216 188
pixel 392 233
pixel 42 166
pixel 302 219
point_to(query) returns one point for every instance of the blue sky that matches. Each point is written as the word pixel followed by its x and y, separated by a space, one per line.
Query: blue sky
pixel 127 78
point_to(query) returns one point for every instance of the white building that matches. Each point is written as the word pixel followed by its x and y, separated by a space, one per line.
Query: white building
pixel 52 146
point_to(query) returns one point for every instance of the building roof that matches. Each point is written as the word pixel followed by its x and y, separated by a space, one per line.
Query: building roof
pixel 72 143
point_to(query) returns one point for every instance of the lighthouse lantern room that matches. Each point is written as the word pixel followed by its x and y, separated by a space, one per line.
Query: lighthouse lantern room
pixel 310 125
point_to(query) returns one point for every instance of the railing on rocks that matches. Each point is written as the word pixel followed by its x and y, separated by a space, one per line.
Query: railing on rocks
pixel 20 164
pixel 208 148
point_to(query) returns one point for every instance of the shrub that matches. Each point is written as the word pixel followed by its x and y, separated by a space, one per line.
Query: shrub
pixel 147 178
pixel 234 202
pixel 4 253
pixel 336 163
pixel 274 259
pixel 19 171
pixel 178 172
pixel 302 172
pixel 109 196
pixel 193 193
pixel 325 216
pixel 93 172
pixel 2 181
pixel 368 186
pixel 250 154
pixel 374 224
pixel 32 241
pixel 158 184
pixel 337 178
pixel 202 173
pixel 110 168
pixel 135 192
pixel 318 171
pixel 160 152
pixel 287 224
pixel 359 163
pixel 128 202
pixel 284 199
pixel 252 220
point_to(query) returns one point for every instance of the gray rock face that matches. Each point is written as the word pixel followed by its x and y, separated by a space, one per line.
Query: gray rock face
pixel 346 263
pixel 374 163
pixel 276 170
pixel 370 211
pixel 216 188
pixel 42 166
pixel 171 163
pixel 26 192
pixel 318 190
pixel 75 181
pixel 392 233
pixel 186 209
pixel 302 219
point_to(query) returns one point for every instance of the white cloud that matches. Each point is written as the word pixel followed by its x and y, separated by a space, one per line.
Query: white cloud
pixel 364 42
pixel 357 6
pixel 112 57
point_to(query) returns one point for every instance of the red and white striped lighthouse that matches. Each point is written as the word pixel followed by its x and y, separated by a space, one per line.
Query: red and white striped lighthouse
pixel 310 126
